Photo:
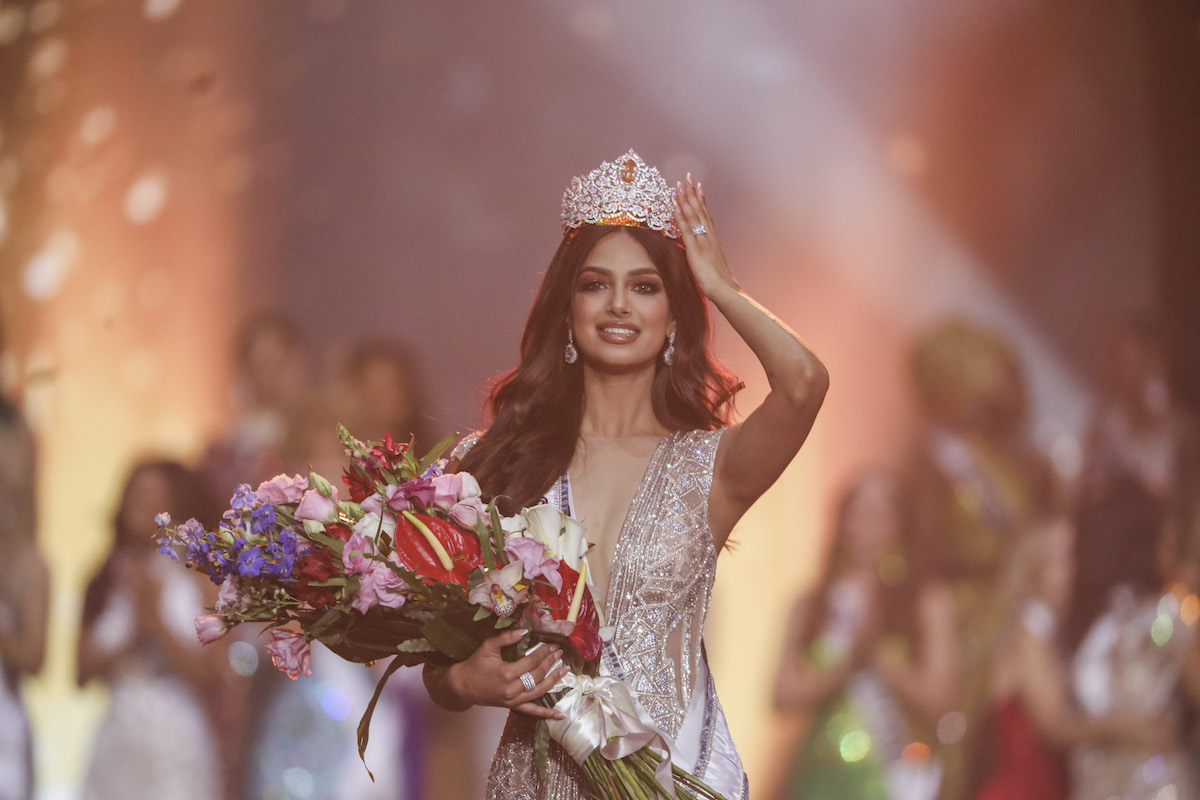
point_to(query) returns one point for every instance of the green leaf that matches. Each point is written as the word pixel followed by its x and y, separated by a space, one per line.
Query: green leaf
pixel 481 613
pixel 320 537
pixel 436 453
pixel 416 646
pixel 450 638
pixel 485 544
pixel 498 530
pixel 364 724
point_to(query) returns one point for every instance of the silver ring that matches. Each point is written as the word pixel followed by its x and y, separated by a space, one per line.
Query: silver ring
pixel 699 230
pixel 528 682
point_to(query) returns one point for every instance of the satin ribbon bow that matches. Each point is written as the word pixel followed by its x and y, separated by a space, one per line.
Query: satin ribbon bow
pixel 602 713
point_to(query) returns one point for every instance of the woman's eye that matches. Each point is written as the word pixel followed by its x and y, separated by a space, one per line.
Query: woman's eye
pixel 591 286
pixel 647 288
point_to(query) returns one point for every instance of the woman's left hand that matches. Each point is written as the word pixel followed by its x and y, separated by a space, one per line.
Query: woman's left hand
pixel 705 254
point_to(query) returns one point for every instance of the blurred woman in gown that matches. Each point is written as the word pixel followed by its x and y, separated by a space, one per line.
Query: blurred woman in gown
pixel 24 600
pixel 870 655
pixel 137 637
pixel 1135 658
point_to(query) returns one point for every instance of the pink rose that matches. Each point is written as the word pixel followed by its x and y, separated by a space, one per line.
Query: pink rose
pixel 317 507
pixel 210 627
pixel 289 652
pixel 227 596
pixel 379 586
pixel 447 489
pixel 282 489
pixel 356 556
pixel 467 512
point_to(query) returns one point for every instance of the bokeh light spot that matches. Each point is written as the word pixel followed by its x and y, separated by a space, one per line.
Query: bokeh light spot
pixel 47 270
pixel 915 754
pixel 160 9
pixel 1154 768
pixel 146 197
pixel 298 781
pixel 1189 610
pixel 1168 792
pixel 44 15
pixel 98 125
pixel 855 746
pixel 243 658
pixel 12 22
pixel 1162 629
pixel 952 727
pixel 334 701
pixel 48 59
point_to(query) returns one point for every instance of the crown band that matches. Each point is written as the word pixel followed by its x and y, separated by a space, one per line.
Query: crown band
pixel 621 192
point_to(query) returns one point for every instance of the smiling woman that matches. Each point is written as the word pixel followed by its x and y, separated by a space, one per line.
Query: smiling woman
pixel 618 415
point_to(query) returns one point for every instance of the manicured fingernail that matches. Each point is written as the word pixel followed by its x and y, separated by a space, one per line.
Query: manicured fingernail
pixel 521 631
pixel 559 715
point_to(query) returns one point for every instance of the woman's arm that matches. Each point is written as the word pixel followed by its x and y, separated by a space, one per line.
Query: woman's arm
pixel 1044 696
pixel 799 684
pixel 929 681
pixel 23 640
pixel 754 454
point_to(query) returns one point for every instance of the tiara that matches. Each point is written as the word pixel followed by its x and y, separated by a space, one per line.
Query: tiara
pixel 621 192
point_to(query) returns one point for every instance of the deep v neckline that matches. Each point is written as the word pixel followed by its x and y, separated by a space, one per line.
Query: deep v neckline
pixel 623 532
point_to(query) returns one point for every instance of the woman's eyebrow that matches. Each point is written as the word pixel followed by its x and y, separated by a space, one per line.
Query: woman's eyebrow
pixel 608 272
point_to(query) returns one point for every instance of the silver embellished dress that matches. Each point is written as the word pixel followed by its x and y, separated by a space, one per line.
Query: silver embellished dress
pixel 659 591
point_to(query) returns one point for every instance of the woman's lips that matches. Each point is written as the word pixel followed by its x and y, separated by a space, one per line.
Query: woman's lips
pixel 617 334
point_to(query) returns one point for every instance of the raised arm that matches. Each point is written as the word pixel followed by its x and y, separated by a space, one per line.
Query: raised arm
pixel 754 453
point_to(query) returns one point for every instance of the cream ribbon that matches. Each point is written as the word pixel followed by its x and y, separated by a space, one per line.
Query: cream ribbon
pixel 602 713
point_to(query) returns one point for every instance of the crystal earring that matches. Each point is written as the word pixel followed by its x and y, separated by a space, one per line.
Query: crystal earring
pixel 570 354
pixel 669 353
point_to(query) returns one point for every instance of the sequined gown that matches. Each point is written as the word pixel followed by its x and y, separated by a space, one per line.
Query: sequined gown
pixel 155 741
pixel 1129 664
pixel 659 591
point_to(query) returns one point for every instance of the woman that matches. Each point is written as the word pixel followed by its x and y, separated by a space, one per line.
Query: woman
pixel 618 413
pixel 871 653
pixel 24 600
pixel 136 636
pixel 1135 659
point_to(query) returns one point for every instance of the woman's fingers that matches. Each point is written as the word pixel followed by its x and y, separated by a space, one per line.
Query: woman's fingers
pixel 535 710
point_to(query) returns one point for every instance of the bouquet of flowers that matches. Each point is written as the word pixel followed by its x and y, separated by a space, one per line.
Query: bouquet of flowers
pixel 414 567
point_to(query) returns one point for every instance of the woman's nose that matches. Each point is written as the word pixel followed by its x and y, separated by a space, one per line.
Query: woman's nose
pixel 618 302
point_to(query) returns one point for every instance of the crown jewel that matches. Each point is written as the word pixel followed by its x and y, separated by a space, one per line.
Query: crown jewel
pixel 621 192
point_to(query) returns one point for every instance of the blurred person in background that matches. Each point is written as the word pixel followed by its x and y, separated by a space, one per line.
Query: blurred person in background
pixel 302 743
pixel 1141 428
pixel 870 654
pixel 978 483
pixel 24 598
pixel 1034 718
pixel 1134 656
pixel 137 636
pixel 274 384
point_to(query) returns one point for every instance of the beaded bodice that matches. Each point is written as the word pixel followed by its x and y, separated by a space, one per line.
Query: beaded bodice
pixel 662 576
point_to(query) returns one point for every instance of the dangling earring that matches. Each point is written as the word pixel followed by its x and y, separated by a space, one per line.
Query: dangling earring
pixel 570 354
pixel 669 353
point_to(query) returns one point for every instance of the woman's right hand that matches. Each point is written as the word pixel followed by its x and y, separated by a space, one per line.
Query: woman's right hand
pixel 486 679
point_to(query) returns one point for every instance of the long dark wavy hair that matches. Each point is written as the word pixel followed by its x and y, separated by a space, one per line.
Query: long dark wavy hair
pixel 536 410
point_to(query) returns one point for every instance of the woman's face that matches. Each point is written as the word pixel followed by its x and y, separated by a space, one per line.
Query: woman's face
pixel 872 519
pixel 620 313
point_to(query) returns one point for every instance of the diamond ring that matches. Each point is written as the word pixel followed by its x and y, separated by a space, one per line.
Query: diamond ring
pixel 528 682
pixel 699 230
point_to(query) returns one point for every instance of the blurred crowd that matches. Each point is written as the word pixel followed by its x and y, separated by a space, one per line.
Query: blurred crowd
pixel 983 627
pixel 987 629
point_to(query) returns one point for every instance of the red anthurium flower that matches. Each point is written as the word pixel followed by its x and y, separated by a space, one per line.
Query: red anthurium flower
pixel 586 635
pixel 417 556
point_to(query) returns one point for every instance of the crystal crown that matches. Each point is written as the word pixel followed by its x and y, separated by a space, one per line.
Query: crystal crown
pixel 621 192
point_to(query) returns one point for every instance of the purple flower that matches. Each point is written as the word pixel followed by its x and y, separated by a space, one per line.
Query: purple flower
pixel 417 493
pixel 162 519
pixel 262 519
pixel 250 562
pixel 243 497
